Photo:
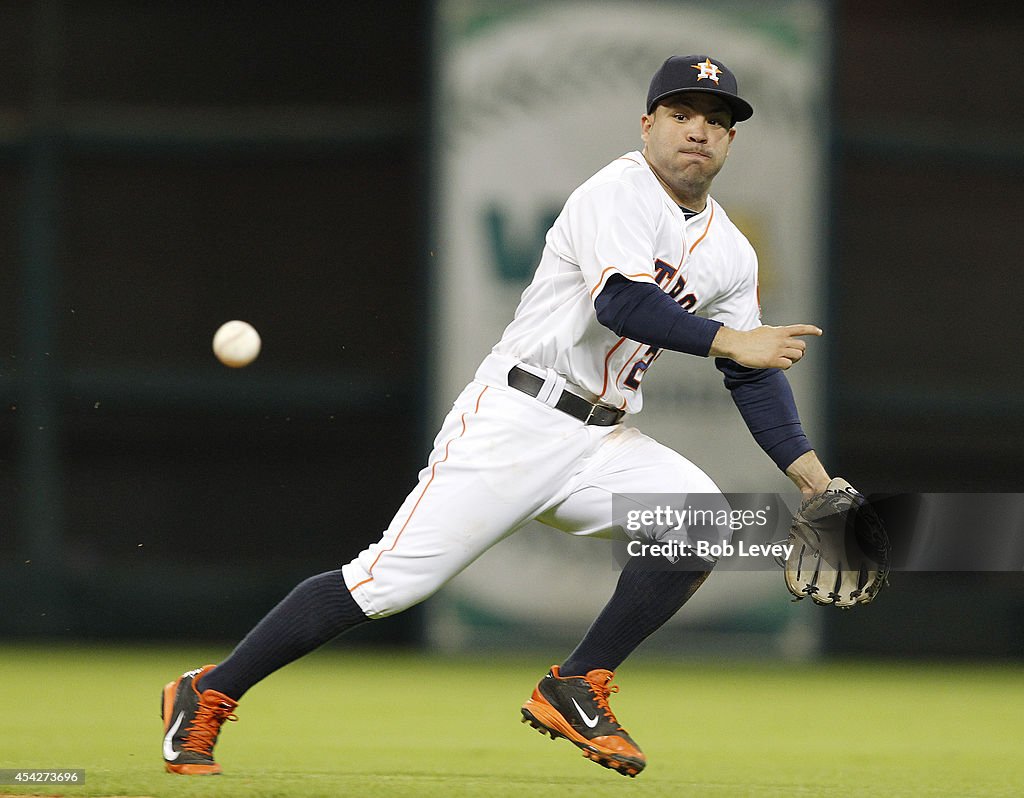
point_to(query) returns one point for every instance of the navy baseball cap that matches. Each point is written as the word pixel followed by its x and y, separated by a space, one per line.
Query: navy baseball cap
pixel 697 73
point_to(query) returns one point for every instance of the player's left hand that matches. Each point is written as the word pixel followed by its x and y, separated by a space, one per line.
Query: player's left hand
pixel 808 474
pixel 841 550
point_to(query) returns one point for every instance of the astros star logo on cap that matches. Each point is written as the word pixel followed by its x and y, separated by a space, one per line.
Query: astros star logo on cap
pixel 707 70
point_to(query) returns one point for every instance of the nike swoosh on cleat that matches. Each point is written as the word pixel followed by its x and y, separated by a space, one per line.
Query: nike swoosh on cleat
pixel 591 722
pixel 169 753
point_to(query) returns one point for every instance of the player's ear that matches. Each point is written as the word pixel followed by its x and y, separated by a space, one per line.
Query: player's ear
pixel 646 120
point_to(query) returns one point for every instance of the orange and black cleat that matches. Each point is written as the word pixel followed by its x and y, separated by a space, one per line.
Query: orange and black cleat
pixel 192 722
pixel 576 708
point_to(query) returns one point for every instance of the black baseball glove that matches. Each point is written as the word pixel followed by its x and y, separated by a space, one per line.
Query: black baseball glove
pixel 841 551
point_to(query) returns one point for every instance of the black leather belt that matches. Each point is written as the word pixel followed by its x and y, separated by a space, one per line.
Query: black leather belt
pixel 576 406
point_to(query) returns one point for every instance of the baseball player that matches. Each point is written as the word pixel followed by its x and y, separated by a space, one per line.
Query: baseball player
pixel 640 260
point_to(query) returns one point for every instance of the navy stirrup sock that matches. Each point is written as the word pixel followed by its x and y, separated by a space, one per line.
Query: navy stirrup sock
pixel 317 610
pixel 642 602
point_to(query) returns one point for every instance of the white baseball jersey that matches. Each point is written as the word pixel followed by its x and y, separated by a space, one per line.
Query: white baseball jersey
pixel 503 458
pixel 621 221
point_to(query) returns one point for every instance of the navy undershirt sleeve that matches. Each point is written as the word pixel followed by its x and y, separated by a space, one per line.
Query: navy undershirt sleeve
pixel 645 313
pixel 765 400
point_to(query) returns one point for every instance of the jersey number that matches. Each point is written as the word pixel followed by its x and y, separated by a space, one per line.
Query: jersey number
pixel 640 367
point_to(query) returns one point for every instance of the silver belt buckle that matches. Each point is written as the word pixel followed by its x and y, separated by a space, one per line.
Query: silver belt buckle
pixel 590 415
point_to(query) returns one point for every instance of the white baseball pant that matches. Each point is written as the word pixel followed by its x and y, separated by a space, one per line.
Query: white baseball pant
pixel 500 460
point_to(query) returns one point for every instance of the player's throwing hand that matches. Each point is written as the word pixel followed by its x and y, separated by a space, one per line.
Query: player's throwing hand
pixel 765 346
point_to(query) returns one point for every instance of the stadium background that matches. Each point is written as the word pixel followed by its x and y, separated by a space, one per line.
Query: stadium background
pixel 163 170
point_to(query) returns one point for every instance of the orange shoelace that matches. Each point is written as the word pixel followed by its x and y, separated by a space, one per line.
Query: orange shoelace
pixel 202 733
pixel 601 694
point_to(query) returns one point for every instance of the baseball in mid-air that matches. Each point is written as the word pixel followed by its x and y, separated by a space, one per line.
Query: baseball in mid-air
pixel 236 343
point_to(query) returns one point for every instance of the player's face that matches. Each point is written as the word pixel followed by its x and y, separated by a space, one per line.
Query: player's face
pixel 686 142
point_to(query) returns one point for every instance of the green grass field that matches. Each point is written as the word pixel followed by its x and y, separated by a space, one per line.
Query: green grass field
pixel 390 724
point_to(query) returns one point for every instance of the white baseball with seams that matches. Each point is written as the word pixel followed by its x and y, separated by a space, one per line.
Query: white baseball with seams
pixel 236 343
